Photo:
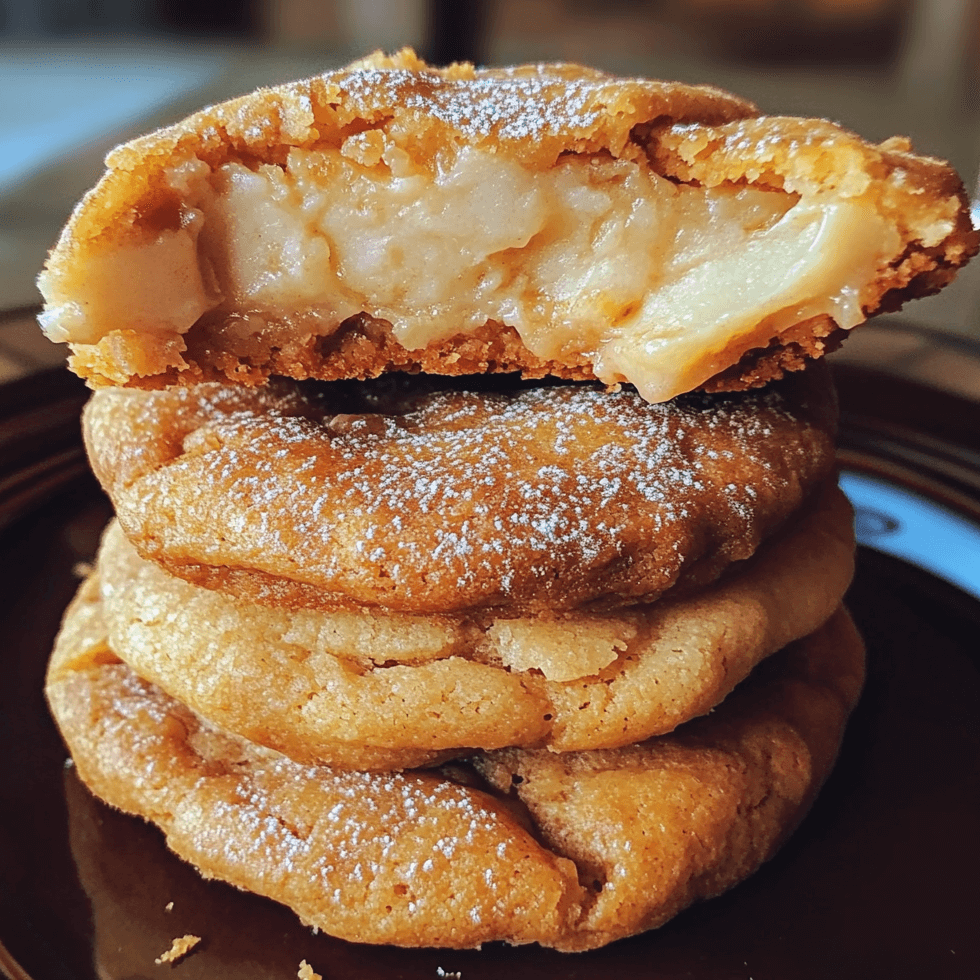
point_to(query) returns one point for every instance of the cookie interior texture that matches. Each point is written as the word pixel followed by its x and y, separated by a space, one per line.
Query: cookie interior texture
pixel 394 216
pixel 530 500
pixel 571 851
pixel 368 690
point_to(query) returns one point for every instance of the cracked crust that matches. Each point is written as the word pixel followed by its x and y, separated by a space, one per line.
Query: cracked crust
pixel 571 851
pixel 535 114
pixel 371 691
pixel 656 826
pixel 522 500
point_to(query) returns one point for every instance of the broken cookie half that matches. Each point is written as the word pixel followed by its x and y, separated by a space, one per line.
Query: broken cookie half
pixel 546 219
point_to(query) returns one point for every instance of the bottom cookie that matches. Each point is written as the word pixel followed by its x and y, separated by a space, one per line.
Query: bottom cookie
pixel 571 851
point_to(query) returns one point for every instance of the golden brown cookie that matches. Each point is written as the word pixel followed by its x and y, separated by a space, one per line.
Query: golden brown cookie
pixel 368 690
pixel 656 826
pixel 592 847
pixel 548 219
pixel 528 500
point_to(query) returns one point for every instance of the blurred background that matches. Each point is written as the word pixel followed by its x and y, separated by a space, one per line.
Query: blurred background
pixel 79 76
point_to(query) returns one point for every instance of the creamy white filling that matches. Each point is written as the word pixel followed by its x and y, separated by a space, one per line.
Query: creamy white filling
pixel 148 286
pixel 595 257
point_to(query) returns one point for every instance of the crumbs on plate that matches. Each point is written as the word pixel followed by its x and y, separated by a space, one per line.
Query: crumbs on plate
pixel 178 948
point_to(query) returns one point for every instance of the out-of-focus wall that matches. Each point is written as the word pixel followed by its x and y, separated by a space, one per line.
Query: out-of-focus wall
pixel 355 27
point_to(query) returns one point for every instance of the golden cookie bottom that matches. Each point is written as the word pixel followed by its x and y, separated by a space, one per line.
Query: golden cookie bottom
pixel 571 851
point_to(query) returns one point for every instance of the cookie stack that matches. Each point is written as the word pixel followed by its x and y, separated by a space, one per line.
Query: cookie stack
pixel 489 631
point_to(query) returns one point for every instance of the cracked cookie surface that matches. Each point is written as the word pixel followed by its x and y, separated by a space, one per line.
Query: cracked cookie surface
pixel 524 501
pixel 547 219
pixel 571 851
pixel 369 690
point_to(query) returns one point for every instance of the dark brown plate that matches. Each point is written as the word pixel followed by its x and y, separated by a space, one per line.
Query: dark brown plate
pixel 880 881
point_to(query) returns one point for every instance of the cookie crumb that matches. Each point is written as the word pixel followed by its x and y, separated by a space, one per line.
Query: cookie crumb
pixel 456 975
pixel 306 972
pixel 82 569
pixel 178 948
pixel 169 907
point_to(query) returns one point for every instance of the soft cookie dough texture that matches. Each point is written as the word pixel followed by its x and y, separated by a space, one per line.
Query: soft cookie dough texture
pixel 393 216
pixel 528 501
pixel 571 851
pixel 607 619
pixel 365 690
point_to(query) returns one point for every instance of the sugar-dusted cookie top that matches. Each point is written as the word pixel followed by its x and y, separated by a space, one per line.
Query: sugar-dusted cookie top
pixel 547 219
pixel 536 498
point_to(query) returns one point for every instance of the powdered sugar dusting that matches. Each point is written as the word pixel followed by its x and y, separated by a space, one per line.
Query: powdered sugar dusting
pixel 554 492
pixel 507 104
pixel 368 828
pixel 336 845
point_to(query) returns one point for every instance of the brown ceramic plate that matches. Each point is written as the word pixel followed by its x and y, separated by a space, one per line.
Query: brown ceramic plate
pixel 880 880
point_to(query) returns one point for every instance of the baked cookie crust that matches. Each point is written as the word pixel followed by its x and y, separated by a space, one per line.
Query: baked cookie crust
pixel 365 690
pixel 888 225
pixel 571 851
pixel 538 499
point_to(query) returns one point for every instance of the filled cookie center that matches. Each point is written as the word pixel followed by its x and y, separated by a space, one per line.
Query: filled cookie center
pixel 596 258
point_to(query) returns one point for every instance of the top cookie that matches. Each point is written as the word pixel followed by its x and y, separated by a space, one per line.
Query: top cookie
pixel 548 219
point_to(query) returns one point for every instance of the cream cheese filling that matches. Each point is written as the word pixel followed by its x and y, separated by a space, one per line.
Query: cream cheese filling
pixel 596 258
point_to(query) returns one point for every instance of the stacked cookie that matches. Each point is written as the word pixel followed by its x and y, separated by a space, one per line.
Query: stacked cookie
pixel 452 656
pixel 565 822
